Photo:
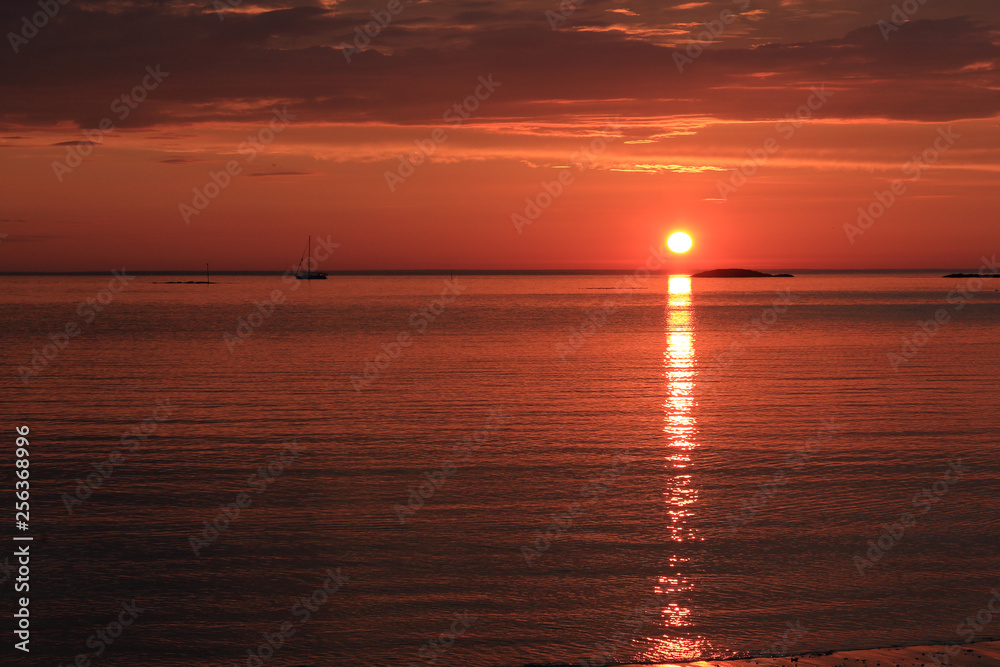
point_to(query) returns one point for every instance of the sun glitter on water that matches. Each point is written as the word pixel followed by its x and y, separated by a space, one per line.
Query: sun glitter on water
pixel 679 242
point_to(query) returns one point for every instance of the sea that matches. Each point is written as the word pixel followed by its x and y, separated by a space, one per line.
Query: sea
pixel 496 470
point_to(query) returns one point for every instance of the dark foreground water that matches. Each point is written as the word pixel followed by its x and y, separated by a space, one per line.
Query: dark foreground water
pixel 504 485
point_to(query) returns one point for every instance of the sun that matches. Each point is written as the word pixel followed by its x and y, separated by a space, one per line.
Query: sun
pixel 679 242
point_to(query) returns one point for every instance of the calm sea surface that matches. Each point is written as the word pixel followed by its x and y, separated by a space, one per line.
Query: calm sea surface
pixel 549 471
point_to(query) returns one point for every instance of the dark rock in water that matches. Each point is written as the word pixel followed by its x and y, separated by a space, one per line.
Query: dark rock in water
pixel 738 273
pixel 973 275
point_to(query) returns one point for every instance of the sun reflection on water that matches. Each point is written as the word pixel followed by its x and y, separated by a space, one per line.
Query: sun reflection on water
pixel 680 437
pixel 679 423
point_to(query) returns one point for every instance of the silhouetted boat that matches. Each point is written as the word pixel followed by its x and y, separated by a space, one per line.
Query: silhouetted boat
pixel 308 274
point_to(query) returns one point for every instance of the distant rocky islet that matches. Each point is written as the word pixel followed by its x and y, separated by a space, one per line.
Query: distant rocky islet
pixel 739 273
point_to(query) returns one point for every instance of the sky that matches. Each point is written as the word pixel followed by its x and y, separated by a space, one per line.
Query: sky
pixel 469 134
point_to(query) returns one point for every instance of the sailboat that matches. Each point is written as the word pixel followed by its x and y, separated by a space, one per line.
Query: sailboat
pixel 308 274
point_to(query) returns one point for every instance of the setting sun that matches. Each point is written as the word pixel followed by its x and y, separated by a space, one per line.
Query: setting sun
pixel 679 242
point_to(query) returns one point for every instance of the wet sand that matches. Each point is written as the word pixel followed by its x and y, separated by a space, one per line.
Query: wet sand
pixel 963 655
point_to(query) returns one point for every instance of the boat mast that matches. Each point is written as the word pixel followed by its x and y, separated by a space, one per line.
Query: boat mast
pixel 309 257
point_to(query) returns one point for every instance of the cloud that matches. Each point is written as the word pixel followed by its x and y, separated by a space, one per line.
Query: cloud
pixel 24 238
pixel 645 168
pixel 288 53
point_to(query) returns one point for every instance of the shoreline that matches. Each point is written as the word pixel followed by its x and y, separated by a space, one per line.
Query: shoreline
pixel 973 654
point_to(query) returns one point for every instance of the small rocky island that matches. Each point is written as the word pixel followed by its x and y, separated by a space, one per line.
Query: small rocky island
pixel 973 275
pixel 739 273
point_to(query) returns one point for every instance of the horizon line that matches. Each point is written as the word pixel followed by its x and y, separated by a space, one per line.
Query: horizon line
pixel 445 272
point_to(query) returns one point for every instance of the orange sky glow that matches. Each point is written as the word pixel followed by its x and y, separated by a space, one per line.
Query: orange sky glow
pixel 479 135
